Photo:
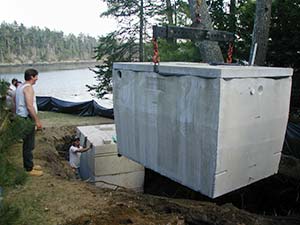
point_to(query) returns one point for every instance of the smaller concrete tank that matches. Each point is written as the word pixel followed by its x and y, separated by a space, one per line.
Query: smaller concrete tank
pixel 102 165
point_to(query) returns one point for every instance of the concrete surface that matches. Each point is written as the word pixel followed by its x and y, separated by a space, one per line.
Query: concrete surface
pixel 211 128
pixel 102 165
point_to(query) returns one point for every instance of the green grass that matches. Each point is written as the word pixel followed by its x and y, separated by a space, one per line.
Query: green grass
pixel 9 214
pixel 10 175
pixel 31 211
pixel 54 119
pixel 14 131
pixel 27 210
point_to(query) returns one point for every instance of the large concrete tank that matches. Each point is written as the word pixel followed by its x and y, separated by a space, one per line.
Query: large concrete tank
pixel 211 128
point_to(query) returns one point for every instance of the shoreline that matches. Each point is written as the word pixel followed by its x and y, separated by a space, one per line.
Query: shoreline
pixel 47 66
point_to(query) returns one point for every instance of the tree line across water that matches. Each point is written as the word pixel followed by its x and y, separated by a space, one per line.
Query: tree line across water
pixel 19 44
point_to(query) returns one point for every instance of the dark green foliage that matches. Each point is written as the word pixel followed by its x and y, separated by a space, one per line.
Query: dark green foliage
pixel 241 24
pixel 104 74
pixel 180 13
pixel 14 131
pixel 9 214
pixel 183 51
pixel 3 87
pixel 246 12
pixel 122 45
pixel 284 46
pixel 218 15
pixel 10 175
pixel 3 90
pixel 19 44
pixel 111 49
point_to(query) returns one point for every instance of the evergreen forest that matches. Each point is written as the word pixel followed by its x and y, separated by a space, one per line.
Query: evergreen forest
pixel 20 44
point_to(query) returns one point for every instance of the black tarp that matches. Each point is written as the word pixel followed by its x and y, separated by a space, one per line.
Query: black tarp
pixel 87 108
pixel 91 108
pixel 292 140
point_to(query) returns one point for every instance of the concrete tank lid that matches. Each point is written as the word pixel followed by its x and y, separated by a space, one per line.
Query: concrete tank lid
pixel 205 70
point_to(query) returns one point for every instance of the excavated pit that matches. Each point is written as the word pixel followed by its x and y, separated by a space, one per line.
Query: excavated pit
pixel 278 195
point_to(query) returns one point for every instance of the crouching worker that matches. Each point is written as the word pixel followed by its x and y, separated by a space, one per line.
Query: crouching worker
pixel 74 156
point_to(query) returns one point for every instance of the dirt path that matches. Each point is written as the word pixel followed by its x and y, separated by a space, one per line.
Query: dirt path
pixel 58 198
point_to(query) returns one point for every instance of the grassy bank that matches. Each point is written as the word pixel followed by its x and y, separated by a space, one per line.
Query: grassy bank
pixel 11 175
pixel 50 119
pixel 24 203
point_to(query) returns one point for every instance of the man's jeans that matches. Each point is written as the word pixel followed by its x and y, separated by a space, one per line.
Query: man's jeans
pixel 28 146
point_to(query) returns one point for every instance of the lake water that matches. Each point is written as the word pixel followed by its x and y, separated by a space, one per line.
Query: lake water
pixel 68 85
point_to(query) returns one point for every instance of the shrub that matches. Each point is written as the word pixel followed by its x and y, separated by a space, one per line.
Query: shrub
pixel 15 130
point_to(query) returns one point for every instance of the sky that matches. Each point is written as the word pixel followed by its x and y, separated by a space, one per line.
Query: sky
pixel 69 16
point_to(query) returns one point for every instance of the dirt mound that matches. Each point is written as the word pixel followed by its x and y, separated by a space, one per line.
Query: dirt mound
pixel 54 144
pixel 129 208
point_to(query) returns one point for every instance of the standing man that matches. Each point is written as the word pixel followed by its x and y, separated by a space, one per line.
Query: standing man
pixel 26 108
pixel 13 84
pixel 10 94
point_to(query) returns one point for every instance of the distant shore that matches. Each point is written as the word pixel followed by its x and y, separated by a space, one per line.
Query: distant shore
pixel 47 66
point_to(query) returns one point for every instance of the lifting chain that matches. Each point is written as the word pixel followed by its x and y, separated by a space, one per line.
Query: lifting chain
pixel 229 53
pixel 155 57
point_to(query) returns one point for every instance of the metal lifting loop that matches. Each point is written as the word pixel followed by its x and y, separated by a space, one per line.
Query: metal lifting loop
pixel 229 53
pixel 155 57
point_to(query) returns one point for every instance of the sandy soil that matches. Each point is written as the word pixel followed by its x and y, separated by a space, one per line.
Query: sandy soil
pixel 58 198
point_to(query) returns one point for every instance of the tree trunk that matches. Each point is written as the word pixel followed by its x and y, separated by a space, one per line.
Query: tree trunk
pixel 170 19
pixel 232 19
pixel 169 12
pixel 260 33
pixel 209 51
pixel 141 44
pixel 175 13
pixel 1 56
